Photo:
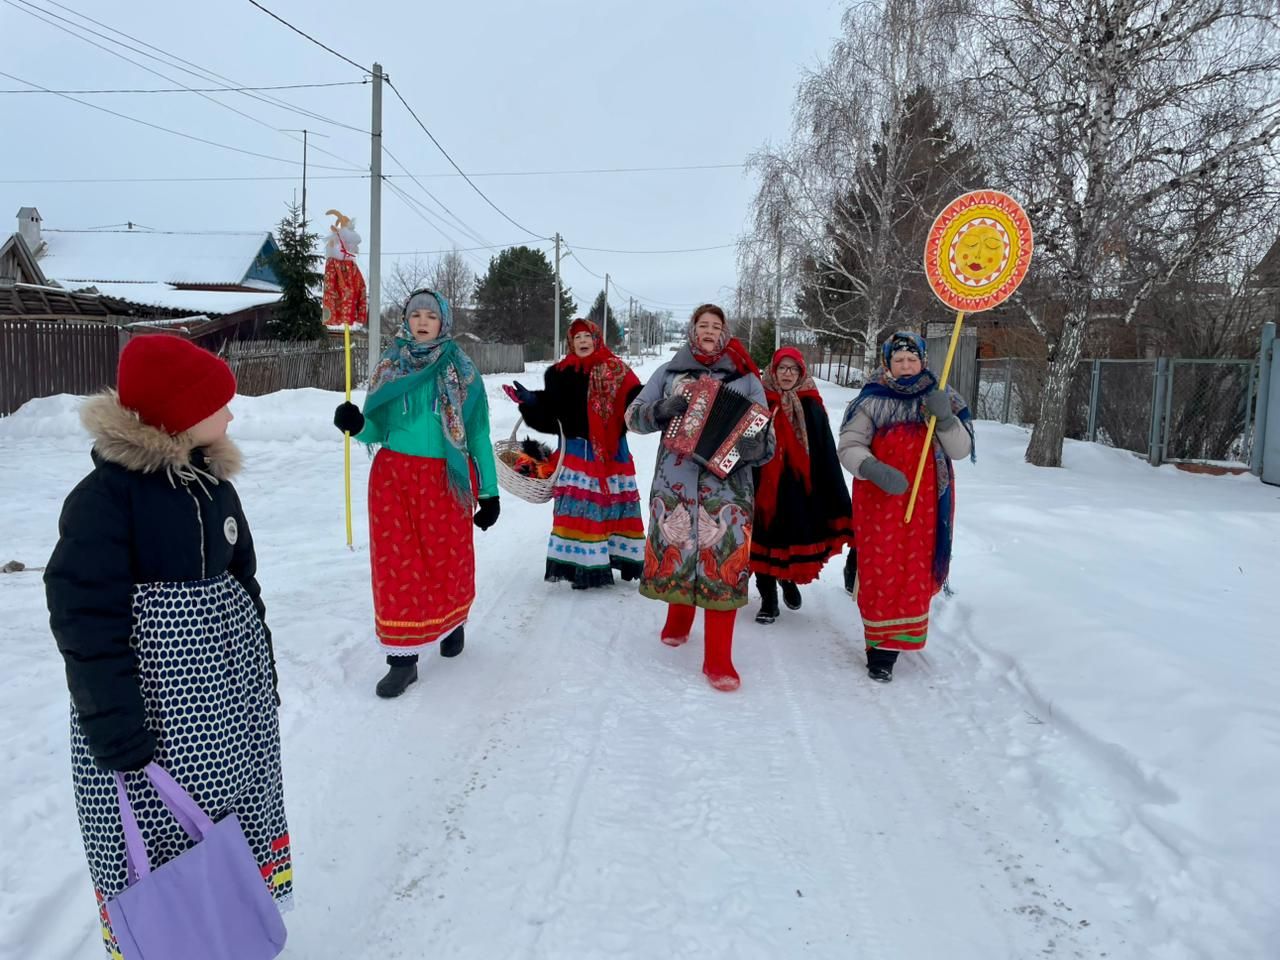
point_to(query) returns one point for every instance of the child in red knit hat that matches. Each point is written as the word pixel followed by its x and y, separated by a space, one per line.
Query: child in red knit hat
pixel 155 607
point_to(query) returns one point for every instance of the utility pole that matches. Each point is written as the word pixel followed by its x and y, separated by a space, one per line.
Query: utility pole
pixel 374 331
pixel 555 344
pixel 305 134
pixel 604 312
pixel 631 324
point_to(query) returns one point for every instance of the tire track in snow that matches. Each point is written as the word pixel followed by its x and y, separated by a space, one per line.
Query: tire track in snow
pixel 871 943
pixel 968 762
pixel 549 909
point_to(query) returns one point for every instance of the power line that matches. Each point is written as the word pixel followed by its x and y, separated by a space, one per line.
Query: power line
pixel 482 269
pixel 591 170
pixel 440 203
pixel 445 152
pixel 660 303
pixel 719 246
pixel 156 126
pixel 431 253
pixel 427 216
pixel 66 29
pixel 388 176
pixel 278 86
pixel 308 36
pixel 180 63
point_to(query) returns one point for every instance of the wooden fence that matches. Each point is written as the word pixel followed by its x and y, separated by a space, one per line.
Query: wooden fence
pixel 495 357
pixel 41 358
pixel 265 366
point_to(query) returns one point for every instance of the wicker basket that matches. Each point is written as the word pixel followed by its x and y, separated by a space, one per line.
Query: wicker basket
pixel 531 489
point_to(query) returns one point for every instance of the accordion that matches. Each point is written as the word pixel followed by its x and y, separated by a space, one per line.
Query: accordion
pixel 709 430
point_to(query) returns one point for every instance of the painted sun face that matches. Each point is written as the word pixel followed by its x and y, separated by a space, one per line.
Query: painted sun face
pixel 980 252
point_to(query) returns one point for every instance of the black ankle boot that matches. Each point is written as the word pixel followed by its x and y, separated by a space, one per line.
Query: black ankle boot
pixel 850 571
pixel 451 645
pixel 768 588
pixel 402 672
pixel 880 664
pixel 790 595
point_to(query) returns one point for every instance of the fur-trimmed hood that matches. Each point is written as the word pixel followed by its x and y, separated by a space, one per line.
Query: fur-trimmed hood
pixel 120 437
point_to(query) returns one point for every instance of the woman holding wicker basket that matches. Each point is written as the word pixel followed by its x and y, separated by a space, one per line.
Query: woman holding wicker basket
pixel 597 527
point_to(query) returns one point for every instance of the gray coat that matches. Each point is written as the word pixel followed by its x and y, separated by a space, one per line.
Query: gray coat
pixel 698 550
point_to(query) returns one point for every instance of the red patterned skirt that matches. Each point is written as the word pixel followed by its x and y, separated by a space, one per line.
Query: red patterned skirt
pixel 345 299
pixel 420 552
pixel 895 559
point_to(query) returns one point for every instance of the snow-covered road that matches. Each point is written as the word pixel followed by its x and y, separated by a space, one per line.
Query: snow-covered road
pixel 1082 764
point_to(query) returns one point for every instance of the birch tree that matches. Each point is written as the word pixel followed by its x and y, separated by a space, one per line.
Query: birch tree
pixel 1123 125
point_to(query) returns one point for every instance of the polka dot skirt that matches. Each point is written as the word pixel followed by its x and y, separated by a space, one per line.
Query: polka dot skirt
pixel 205 671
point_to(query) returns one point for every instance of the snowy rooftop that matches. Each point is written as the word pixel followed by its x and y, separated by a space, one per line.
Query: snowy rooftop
pixel 195 301
pixel 141 256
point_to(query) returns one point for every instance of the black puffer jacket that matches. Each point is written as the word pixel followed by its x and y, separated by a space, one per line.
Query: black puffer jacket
pixel 563 403
pixel 151 511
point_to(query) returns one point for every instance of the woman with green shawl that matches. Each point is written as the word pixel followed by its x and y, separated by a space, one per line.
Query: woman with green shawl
pixel 426 409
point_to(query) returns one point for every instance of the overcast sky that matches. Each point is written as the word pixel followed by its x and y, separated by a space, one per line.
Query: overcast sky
pixel 504 86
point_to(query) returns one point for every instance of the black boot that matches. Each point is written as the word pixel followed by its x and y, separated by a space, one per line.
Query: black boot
pixel 451 645
pixel 880 664
pixel 403 671
pixel 790 595
pixel 768 588
pixel 850 571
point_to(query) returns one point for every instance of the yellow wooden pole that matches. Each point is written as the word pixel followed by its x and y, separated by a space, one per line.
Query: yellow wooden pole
pixel 346 436
pixel 933 421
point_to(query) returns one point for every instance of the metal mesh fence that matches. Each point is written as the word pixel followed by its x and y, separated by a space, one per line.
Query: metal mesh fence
pixel 1199 410
pixel 1122 409
pixel 1209 410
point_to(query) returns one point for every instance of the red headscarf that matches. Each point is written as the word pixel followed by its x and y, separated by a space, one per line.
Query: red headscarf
pixel 609 382
pixel 792 434
pixel 728 344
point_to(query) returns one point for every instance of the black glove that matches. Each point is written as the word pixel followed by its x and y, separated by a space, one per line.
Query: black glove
pixel 523 393
pixel 670 407
pixel 889 479
pixel 348 418
pixel 938 403
pixel 487 515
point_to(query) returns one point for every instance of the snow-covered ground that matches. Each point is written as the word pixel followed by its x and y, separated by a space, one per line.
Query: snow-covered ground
pixel 1084 763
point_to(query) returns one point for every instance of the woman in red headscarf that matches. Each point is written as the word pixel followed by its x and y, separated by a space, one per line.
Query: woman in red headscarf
pixel 597 527
pixel 803 512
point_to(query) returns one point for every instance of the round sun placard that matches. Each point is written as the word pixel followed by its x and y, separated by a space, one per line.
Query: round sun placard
pixel 978 251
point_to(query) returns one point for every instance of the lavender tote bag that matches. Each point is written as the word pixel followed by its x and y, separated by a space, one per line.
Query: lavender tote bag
pixel 208 903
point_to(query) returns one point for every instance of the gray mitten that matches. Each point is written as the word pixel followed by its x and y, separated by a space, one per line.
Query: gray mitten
pixel 889 479
pixel 666 409
pixel 752 448
pixel 938 403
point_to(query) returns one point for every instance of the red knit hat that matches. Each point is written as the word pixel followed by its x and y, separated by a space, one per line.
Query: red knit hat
pixel 171 383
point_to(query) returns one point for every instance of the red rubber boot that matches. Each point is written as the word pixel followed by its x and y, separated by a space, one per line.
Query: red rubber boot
pixel 717 658
pixel 679 622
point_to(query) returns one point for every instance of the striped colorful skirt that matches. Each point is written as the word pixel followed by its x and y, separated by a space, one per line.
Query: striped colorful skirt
pixel 597 527
pixel 421 552
pixel 895 559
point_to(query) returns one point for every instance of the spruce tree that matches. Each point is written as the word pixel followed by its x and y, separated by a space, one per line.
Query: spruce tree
pixel 515 300
pixel 597 315
pixel 298 314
